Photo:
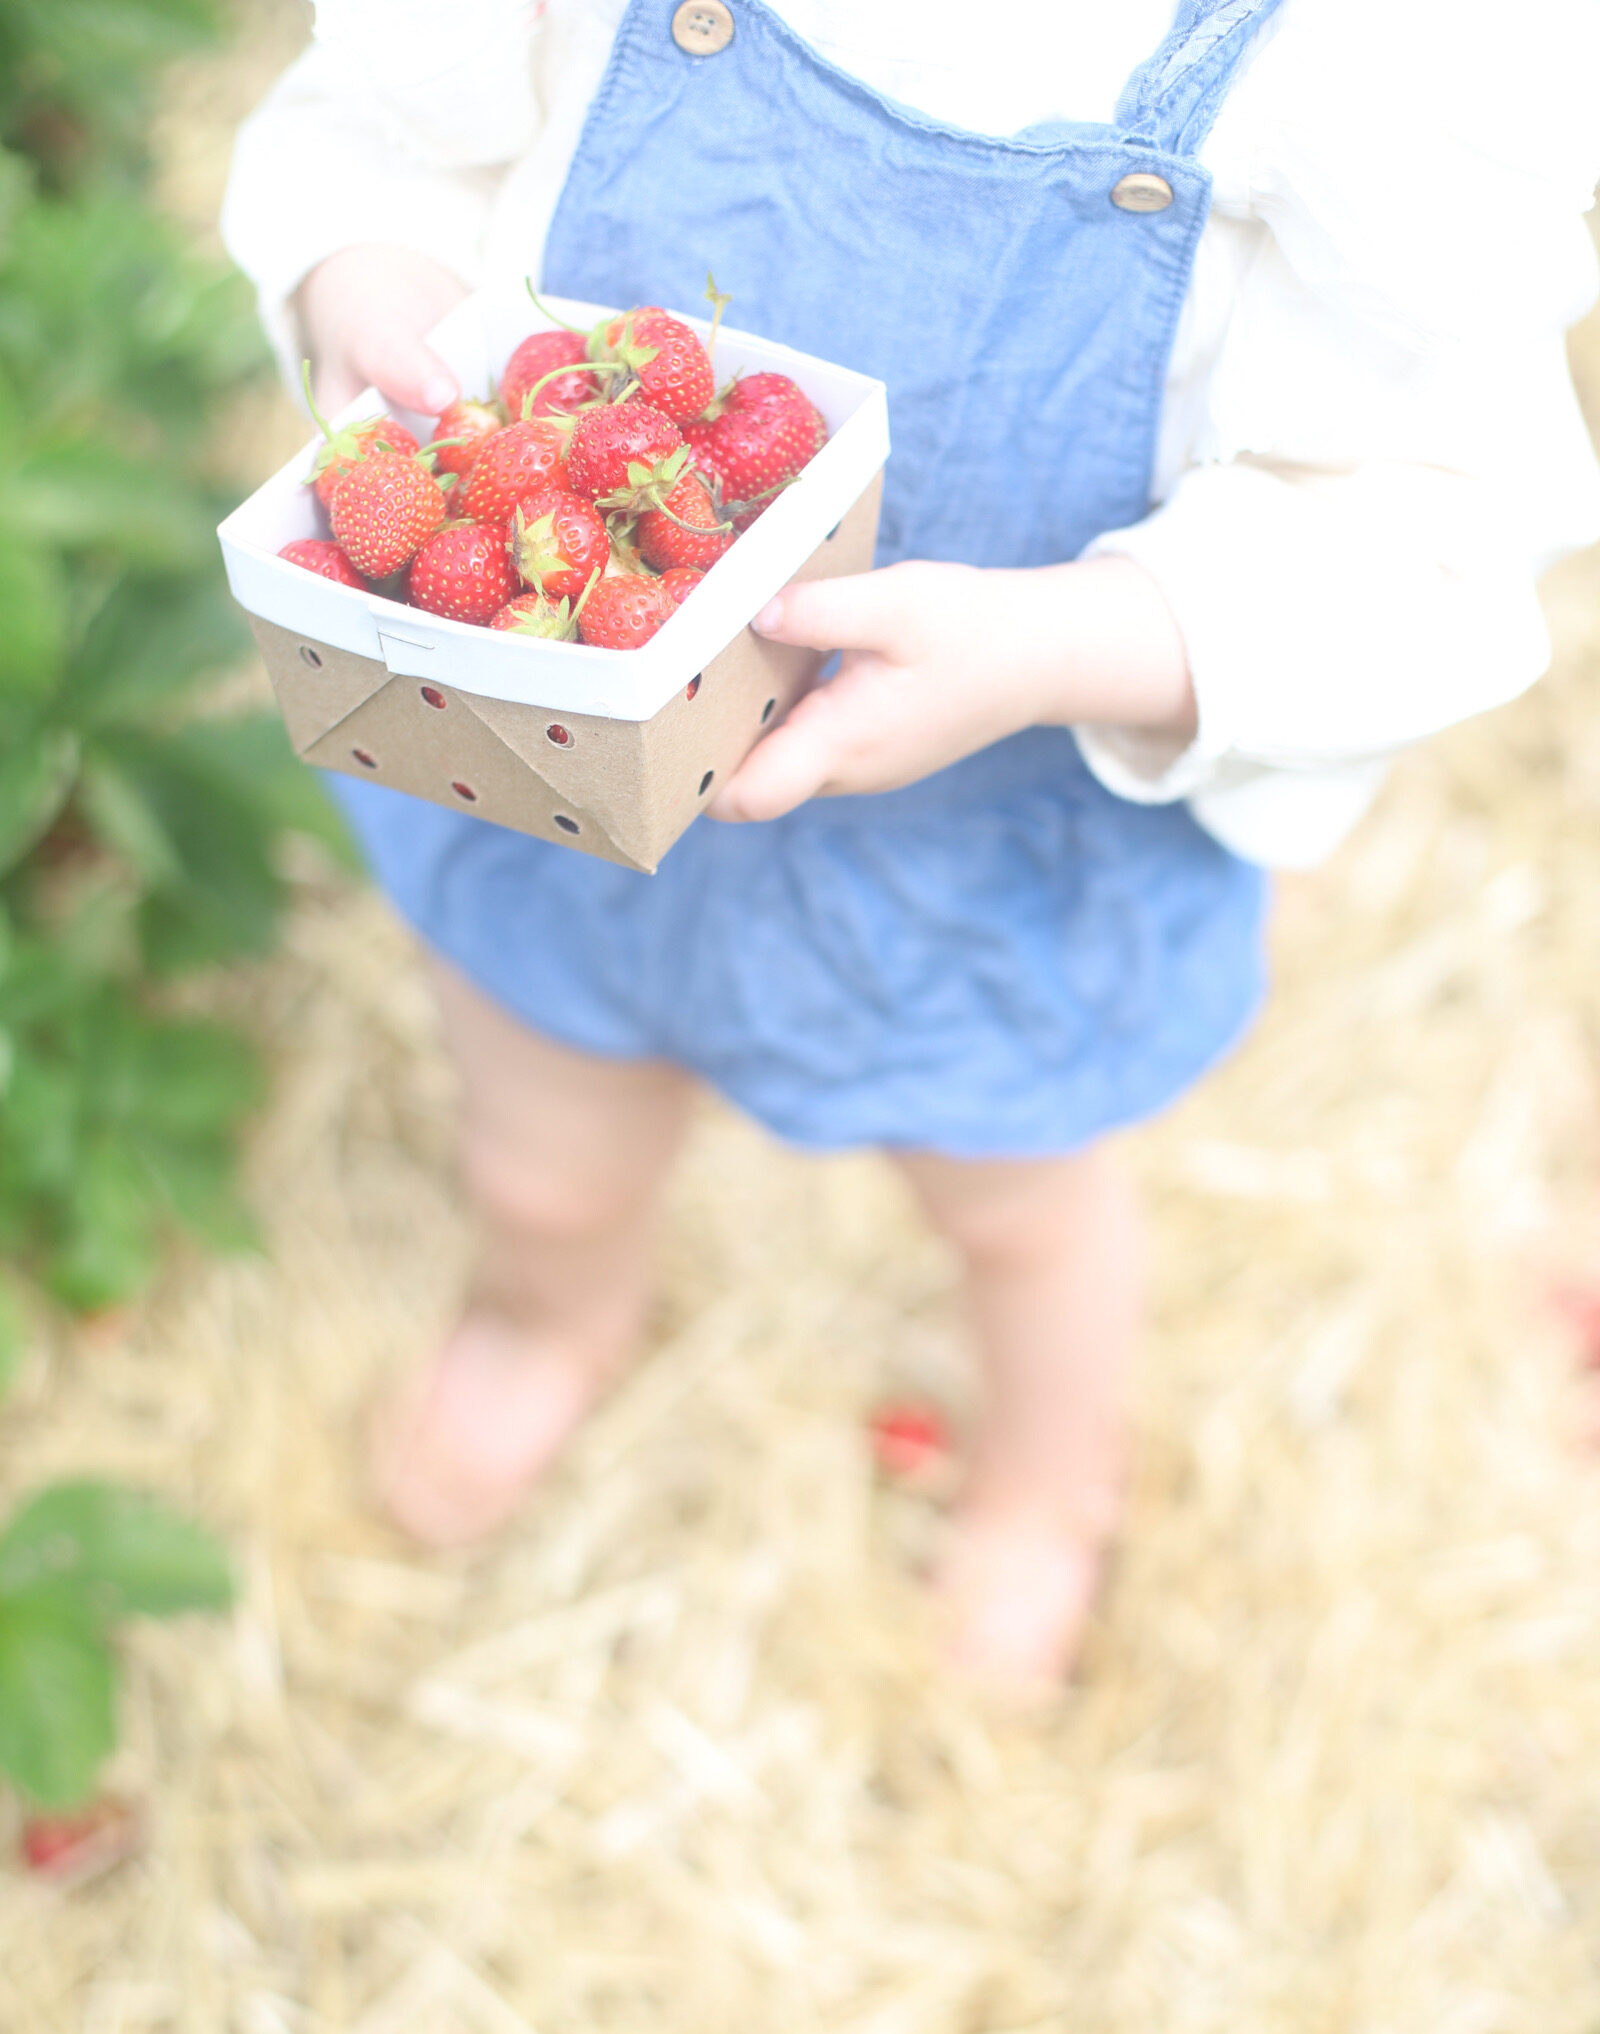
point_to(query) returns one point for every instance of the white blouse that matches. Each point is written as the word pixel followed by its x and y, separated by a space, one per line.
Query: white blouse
pixel 1370 444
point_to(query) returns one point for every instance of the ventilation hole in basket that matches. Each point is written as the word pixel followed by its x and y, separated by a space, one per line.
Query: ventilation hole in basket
pixel 309 656
pixel 694 685
pixel 464 791
pixel 705 782
pixel 567 825
pixel 433 696
pixel 766 711
pixel 365 758
pixel 561 736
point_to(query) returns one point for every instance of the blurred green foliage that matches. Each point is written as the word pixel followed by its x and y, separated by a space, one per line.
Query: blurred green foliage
pixel 76 1560
pixel 139 837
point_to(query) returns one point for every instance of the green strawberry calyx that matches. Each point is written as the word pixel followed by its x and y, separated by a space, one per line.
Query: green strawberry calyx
pixel 559 621
pixel 648 486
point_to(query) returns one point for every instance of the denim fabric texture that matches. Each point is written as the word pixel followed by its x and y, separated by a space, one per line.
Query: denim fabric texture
pixel 1005 959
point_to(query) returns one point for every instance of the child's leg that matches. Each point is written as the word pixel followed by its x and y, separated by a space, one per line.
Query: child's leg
pixel 562 1156
pixel 1054 1281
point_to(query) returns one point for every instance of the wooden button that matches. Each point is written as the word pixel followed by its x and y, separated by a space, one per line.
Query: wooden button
pixel 1140 192
pixel 702 27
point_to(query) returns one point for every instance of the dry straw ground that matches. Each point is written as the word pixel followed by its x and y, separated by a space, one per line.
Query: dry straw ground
pixel 669 1757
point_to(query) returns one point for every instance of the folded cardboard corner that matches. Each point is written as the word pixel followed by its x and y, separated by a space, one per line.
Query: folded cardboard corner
pixel 620 789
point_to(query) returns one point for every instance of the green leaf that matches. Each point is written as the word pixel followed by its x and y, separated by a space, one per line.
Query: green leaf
pixel 35 780
pixel 91 1551
pixel 33 602
pixel 122 814
pixel 57 1704
pixel 82 494
pixel 110 1241
pixel 148 644
pixel 11 1335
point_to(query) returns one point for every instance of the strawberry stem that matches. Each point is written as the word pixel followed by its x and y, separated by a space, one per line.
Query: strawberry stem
pixel 311 401
pixel 694 529
pixel 555 374
pixel 719 301
pixel 545 311
pixel 589 586
pixel 737 508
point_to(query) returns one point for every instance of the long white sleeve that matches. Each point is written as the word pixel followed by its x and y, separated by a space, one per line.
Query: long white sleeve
pixel 1371 447
pixel 398 124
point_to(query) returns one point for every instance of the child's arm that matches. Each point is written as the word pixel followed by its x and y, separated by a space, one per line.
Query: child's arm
pixel 363 187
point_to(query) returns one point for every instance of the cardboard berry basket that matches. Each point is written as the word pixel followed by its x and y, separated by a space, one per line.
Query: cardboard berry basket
pixel 612 752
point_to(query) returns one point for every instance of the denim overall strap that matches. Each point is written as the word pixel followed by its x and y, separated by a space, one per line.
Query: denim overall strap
pixel 1021 318
pixel 1174 96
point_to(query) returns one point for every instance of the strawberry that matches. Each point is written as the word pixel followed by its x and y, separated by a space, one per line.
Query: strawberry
pixel 347 448
pixel 318 555
pixel 910 1442
pixel 81 1842
pixel 624 611
pixel 558 542
pixel 663 355
pixel 462 572
pixel 678 583
pixel 687 529
pixel 756 437
pixel 530 614
pixel 536 357
pixel 385 510
pixel 512 464
pixel 468 422
pixel 341 450
pixel 607 443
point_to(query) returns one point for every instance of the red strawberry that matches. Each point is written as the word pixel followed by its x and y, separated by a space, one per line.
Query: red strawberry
pixel 470 422
pixel 624 611
pixel 341 450
pixel 608 441
pixel 385 510
pixel 318 555
pixel 663 354
pixel 665 542
pixel 761 431
pixel 462 572
pixel 78 1844
pixel 512 464
pixel 530 614
pixel 347 448
pixel 558 542
pixel 536 357
pixel 910 1442
pixel 680 582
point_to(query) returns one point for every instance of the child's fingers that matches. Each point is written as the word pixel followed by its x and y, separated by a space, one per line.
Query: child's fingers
pixel 405 371
pixel 868 611
pixel 792 764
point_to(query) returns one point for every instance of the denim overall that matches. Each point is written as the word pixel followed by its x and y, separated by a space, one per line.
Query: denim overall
pixel 1004 959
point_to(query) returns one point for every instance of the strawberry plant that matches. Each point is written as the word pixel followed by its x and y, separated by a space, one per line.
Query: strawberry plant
pixel 140 827
pixel 140 823
pixel 77 1560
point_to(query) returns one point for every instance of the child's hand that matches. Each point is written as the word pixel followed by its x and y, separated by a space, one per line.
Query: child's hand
pixel 363 312
pixel 942 660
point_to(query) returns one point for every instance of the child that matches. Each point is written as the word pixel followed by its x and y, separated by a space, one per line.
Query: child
pixel 1295 270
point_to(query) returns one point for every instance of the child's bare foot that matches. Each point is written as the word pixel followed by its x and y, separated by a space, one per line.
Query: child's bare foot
pixel 465 1440
pixel 1018 1589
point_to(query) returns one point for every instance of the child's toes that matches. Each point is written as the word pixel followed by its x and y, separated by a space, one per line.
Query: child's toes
pixel 1018 1597
pixel 458 1448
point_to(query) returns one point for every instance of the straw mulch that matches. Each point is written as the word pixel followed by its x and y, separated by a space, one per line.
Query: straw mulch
pixel 671 1757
